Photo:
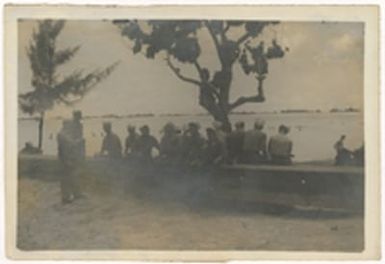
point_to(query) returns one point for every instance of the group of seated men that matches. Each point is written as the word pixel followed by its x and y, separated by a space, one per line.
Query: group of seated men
pixel 185 147
pixel 189 147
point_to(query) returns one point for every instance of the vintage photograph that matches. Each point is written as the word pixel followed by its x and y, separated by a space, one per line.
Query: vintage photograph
pixel 190 134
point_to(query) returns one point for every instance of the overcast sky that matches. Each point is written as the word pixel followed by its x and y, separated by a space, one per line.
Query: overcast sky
pixel 322 70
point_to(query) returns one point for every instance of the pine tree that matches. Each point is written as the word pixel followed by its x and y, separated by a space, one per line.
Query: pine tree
pixel 48 87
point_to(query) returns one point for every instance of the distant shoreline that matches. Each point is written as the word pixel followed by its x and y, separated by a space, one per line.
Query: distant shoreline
pixel 245 113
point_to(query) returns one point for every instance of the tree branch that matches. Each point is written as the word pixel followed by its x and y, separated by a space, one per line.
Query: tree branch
pixel 251 99
pixel 62 56
pixel 259 98
pixel 212 87
pixel 179 75
pixel 198 67
pixel 223 34
pixel 216 41
pixel 69 102
pixel 243 38
pixel 226 28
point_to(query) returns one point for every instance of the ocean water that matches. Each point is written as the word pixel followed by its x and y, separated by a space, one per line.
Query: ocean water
pixel 313 134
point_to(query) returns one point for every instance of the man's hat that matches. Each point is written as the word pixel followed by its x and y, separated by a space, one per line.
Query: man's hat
pixel 169 127
pixel 240 124
pixel 284 128
pixel 77 113
pixel 144 128
pixel 107 124
pixel 193 125
pixel 259 123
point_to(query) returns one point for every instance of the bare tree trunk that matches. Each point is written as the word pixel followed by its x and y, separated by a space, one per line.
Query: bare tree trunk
pixel 223 104
pixel 224 119
pixel 218 104
pixel 216 109
pixel 40 135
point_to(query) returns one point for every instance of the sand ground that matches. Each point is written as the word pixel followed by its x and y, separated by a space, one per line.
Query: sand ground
pixel 184 212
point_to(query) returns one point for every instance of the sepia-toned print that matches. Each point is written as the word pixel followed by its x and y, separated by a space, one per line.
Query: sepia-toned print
pixel 168 134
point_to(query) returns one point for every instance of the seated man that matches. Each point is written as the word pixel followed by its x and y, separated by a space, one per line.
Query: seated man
pixel 221 133
pixel 146 143
pixel 192 145
pixel 280 147
pixel 111 143
pixel 359 156
pixel 30 149
pixel 235 142
pixel 213 148
pixel 254 144
pixel 130 148
pixel 344 156
pixel 169 143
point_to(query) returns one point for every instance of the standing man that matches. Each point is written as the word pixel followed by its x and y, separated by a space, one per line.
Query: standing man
pixel 111 146
pixel 77 128
pixel 254 144
pixel 70 154
pixel 280 147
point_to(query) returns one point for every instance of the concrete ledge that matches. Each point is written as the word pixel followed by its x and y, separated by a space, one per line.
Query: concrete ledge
pixel 295 168
pixel 320 185
pixel 298 168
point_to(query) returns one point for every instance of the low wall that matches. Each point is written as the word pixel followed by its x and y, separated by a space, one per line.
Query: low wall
pixel 319 186
pixel 339 188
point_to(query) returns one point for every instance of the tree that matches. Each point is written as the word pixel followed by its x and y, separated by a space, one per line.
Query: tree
pixel 178 39
pixel 49 88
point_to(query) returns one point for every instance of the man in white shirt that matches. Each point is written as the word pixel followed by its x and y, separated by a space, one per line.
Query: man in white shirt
pixel 280 147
